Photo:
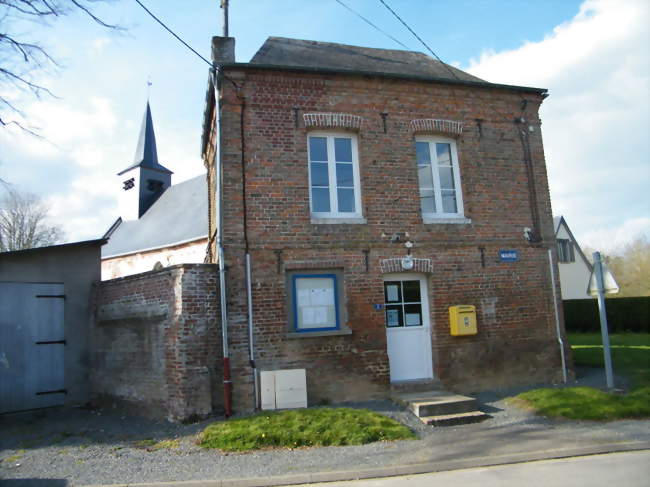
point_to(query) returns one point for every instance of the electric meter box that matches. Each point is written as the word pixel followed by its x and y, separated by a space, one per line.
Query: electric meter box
pixel 462 320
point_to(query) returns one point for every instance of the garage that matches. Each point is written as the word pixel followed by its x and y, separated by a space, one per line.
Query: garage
pixel 45 319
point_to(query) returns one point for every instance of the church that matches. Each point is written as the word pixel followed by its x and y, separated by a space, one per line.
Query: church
pixel 153 230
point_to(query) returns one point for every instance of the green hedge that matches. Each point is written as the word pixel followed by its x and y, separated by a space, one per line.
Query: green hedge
pixel 623 314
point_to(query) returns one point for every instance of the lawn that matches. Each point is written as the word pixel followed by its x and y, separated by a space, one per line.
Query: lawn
pixel 303 427
pixel 630 358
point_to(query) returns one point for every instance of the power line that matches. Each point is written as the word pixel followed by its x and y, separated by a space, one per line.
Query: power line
pixel 371 24
pixel 172 32
pixel 419 39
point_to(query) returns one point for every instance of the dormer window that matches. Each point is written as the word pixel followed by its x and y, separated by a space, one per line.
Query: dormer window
pixel 128 184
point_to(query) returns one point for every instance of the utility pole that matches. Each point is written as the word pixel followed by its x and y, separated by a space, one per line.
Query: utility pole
pixel 224 7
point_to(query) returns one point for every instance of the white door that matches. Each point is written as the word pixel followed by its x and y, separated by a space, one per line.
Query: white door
pixel 408 329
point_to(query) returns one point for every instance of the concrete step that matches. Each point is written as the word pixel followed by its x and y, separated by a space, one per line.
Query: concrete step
pixel 410 386
pixel 455 419
pixel 441 408
pixel 449 404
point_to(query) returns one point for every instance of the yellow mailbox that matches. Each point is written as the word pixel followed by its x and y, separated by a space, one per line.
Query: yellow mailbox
pixel 462 319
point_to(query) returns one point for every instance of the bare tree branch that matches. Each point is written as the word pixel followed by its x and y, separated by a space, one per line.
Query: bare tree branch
pixel 21 60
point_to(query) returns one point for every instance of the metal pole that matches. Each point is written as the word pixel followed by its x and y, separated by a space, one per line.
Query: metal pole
pixel 602 311
pixel 557 315
pixel 251 343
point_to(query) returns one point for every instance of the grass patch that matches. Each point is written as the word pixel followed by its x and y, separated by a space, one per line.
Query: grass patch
pixel 150 444
pixel 630 357
pixel 15 458
pixel 303 427
pixel 587 403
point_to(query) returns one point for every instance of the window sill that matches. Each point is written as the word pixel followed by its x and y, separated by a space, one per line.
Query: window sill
pixel 446 220
pixel 337 221
pixel 344 330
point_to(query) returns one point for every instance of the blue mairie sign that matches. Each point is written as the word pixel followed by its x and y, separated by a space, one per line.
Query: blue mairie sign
pixel 508 255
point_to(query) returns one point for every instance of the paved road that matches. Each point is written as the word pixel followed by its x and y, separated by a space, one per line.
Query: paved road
pixel 629 469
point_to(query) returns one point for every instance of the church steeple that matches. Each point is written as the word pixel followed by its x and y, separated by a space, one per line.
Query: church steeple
pixel 146 154
pixel 146 179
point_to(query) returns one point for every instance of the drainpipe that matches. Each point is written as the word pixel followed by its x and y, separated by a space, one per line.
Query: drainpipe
pixel 557 315
pixel 249 280
pixel 227 383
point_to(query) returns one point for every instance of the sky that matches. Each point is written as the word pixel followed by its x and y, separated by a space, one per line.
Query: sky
pixel 592 56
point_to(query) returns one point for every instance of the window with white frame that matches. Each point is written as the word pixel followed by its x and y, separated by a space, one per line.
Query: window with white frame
pixel 315 302
pixel 334 187
pixel 439 178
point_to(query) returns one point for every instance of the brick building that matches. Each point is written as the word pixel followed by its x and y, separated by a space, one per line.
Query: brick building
pixel 372 190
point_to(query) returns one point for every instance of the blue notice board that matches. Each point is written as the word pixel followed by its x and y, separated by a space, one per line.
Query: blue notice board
pixel 508 255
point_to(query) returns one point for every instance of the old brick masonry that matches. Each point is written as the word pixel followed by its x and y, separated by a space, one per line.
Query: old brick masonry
pixel 516 340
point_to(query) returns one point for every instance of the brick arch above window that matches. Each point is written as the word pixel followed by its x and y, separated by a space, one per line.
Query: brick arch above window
pixel 390 266
pixel 436 126
pixel 345 121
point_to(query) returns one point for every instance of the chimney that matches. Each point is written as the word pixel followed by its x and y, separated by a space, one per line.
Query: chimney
pixel 223 50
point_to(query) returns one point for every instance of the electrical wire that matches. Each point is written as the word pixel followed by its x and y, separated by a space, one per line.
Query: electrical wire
pixel 372 25
pixel 172 32
pixel 419 39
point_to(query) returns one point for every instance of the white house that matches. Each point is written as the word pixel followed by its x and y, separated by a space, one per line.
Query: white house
pixel 575 269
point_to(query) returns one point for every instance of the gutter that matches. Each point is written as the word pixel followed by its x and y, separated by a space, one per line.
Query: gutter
pixel 378 74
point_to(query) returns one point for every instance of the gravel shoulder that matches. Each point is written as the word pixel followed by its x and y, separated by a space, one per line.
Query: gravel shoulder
pixel 84 446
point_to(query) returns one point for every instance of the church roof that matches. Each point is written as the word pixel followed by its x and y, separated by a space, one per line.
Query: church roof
pixel 180 215
pixel 146 154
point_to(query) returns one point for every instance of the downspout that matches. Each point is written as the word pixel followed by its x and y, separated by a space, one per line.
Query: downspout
pixel 249 290
pixel 557 315
pixel 227 383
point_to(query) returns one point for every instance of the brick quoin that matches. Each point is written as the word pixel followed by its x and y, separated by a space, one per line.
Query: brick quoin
pixel 516 341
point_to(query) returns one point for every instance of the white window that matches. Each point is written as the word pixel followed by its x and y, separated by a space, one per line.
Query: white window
pixel 439 178
pixel 334 188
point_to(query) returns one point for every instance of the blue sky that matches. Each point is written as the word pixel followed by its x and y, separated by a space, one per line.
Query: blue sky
pixel 590 55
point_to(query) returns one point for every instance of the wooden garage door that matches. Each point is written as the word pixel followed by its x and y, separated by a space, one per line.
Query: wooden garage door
pixel 32 346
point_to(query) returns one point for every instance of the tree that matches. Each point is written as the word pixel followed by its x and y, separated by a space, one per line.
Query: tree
pixel 630 265
pixel 631 268
pixel 24 222
pixel 21 59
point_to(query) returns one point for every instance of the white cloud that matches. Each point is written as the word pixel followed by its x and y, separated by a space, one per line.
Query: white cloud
pixel 596 120
pixel 612 239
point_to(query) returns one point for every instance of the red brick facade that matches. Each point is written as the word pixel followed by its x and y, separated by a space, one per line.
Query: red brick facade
pixel 516 340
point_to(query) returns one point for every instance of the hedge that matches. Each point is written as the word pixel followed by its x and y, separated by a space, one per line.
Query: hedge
pixel 623 314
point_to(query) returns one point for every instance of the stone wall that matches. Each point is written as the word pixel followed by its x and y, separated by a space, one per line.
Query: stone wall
pixel 157 342
pixel 515 343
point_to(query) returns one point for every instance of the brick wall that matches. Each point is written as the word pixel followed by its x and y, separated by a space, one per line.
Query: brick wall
pixel 515 343
pixel 157 342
